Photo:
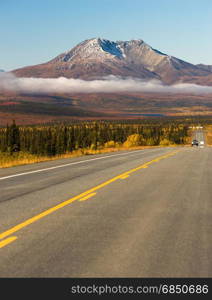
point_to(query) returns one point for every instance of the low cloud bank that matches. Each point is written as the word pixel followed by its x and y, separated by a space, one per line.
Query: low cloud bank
pixel 109 84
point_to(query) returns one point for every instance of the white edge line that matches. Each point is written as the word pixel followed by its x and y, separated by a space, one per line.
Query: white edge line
pixel 73 163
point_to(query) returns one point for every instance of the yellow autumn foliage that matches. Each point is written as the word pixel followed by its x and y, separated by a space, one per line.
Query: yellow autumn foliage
pixel 111 144
pixel 134 140
pixel 165 142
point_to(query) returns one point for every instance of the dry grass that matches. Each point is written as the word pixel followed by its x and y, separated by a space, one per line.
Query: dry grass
pixel 21 158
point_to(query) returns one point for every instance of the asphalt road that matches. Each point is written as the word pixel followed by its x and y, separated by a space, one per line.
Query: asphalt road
pixel 199 136
pixel 144 213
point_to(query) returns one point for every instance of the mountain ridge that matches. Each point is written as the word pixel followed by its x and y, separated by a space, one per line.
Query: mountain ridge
pixel 205 67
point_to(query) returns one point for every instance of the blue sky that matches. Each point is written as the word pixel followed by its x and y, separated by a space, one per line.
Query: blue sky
pixel 33 32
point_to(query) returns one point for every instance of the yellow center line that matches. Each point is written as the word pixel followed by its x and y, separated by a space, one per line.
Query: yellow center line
pixel 124 177
pixel 7 241
pixel 156 160
pixel 67 202
pixel 87 197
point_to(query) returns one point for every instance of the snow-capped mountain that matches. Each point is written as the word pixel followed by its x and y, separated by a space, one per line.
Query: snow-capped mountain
pixel 95 58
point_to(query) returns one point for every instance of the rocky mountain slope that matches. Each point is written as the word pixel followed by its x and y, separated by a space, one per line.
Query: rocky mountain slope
pixel 205 67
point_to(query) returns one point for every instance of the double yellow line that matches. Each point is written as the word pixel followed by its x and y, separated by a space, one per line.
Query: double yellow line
pixel 81 197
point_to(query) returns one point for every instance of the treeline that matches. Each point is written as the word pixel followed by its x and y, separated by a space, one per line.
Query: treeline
pixel 62 138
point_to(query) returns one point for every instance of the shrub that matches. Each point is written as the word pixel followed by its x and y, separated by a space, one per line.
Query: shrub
pixel 165 142
pixel 111 144
pixel 134 140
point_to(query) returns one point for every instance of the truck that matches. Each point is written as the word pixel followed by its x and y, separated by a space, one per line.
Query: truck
pixel 194 143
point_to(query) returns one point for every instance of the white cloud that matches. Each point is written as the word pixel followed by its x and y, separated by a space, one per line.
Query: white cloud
pixel 109 84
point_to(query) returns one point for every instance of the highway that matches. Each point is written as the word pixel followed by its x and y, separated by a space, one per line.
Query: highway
pixel 144 213
pixel 199 135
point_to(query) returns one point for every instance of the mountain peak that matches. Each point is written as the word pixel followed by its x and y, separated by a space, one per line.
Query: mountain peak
pixel 105 49
pixel 94 48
